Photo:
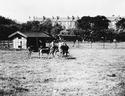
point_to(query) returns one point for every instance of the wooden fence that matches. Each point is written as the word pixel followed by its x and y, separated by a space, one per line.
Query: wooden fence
pixel 97 45
pixel 6 44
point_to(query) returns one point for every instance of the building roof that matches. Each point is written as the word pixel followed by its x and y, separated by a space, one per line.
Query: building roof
pixel 29 34
pixel 17 32
pixel 36 34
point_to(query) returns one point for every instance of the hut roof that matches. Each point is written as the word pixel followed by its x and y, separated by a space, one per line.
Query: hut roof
pixel 29 34
pixel 15 33
pixel 36 34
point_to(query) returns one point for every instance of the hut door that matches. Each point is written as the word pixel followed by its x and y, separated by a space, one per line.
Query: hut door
pixel 20 45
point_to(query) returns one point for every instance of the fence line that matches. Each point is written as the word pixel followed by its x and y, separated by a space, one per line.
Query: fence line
pixel 5 44
pixel 98 45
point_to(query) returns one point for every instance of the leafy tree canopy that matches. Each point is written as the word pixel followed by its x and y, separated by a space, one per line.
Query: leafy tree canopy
pixel 7 26
pixel 84 23
pixel 6 21
pixel 93 23
pixel 121 24
pixel 100 23
pixel 32 26
pixel 56 29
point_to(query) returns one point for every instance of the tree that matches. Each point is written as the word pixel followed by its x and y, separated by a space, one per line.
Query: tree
pixel 6 21
pixel 6 30
pixel 94 27
pixel 84 23
pixel 46 26
pixel 56 30
pixel 111 34
pixel 32 26
pixel 93 23
pixel 120 25
pixel 7 26
pixel 35 26
pixel 100 23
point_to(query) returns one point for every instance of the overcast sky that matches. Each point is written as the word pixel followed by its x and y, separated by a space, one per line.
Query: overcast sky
pixel 22 9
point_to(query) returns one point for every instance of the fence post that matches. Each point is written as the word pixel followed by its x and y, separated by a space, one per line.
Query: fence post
pixel 103 39
pixel 115 44
pixel 103 44
pixel 91 44
pixel 8 44
pixel 114 40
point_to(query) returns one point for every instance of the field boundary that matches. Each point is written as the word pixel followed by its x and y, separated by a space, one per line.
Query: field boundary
pixel 97 45
pixel 7 44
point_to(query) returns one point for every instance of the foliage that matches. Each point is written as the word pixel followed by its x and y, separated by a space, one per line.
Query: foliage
pixel 6 30
pixel 94 28
pixel 7 26
pixel 84 23
pixel 32 26
pixel 6 21
pixel 111 34
pixel 56 30
pixel 121 36
pixel 100 23
pixel 46 26
pixel 88 28
pixel 120 25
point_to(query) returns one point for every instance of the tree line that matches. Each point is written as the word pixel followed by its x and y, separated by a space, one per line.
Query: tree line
pixel 97 29
pixel 88 28
pixel 9 26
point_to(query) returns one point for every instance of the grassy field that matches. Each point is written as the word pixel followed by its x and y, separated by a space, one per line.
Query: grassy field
pixel 92 72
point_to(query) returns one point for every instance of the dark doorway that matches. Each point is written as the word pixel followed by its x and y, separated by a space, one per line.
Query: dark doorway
pixel 33 42
pixel 36 43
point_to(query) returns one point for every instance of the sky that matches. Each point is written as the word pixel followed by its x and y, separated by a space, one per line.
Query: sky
pixel 20 10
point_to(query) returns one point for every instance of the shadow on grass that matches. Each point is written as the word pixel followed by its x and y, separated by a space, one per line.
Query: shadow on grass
pixel 37 57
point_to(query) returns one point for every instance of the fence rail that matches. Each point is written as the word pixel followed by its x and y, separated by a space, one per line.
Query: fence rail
pixel 6 44
pixel 98 45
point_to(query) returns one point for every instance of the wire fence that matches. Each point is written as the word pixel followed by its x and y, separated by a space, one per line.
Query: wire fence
pixel 7 44
pixel 97 45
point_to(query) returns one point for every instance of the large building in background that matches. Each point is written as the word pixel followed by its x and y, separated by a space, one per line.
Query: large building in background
pixel 66 22
pixel 69 22
pixel 114 20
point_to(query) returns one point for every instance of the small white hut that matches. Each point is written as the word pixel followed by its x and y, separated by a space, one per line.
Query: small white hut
pixel 23 40
pixel 19 40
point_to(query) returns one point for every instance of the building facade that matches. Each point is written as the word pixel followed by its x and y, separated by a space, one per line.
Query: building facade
pixel 24 40
pixel 65 22
pixel 69 22
pixel 19 42
pixel 113 22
